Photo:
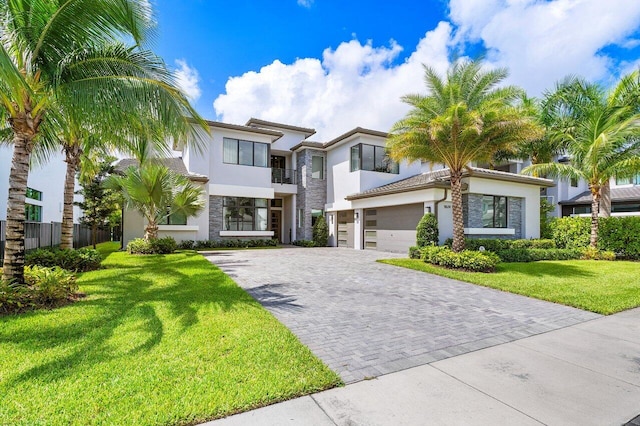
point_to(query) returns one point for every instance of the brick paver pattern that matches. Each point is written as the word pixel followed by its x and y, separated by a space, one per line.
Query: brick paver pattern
pixel 364 318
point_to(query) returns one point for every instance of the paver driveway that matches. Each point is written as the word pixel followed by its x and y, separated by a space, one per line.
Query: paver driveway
pixel 364 318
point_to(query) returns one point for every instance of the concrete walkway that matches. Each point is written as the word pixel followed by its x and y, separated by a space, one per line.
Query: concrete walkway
pixel 585 374
pixel 365 319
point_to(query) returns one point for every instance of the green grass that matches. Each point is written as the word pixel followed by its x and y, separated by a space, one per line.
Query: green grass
pixel 597 286
pixel 158 340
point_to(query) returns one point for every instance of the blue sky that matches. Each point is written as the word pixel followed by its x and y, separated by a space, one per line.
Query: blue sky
pixel 335 65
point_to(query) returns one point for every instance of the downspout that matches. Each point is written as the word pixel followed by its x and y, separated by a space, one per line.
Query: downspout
pixel 435 206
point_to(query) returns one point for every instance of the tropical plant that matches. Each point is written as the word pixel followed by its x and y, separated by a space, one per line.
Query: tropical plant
pixel 601 135
pixel 320 232
pixel 64 59
pixel 427 231
pixel 157 192
pixel 465 118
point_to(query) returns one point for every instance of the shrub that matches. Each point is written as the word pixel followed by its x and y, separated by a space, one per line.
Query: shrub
pixel 139 246
pixel 620 235
pixel 537 254
pixel 427 230
pixel 571 232
pixel 186 245
pixel 216 244
pixel 594 254
pixel 414 252
pixel 14 298
pixel 304 243
pixel 320 232
pixel 80 260
pixel 545 220
pixel 166 245
pixel 474 261
pixel 44 287
pixel 496 244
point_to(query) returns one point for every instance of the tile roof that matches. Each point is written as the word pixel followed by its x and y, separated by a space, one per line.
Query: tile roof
pixel 175 164
pixel 440 179
pixel 618 195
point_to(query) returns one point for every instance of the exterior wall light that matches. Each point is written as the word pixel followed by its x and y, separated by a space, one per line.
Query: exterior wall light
pixel 356 215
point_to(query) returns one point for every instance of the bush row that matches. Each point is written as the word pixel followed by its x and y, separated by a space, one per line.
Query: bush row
pixel 536 254
pixel 468 260
pixel 495 244
pixel 81 260
pixel 44 288
pixel 213 244
pixel 164 245
pixel 619 234
pixel 304 243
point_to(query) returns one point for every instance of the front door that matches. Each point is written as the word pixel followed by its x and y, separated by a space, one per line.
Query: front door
pixel 276 218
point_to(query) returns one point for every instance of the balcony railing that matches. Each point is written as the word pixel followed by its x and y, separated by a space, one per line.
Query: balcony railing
pixel 287 176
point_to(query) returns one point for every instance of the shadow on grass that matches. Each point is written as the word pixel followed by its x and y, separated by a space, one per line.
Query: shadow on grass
pixel 269 297
pixel 546 269
pixel 120 315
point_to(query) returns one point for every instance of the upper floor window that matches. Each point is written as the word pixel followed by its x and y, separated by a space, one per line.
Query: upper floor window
pixel 574 182
pixel 34 194
pixel 634 180
pixel 33 213
pixel 317 167
pixel 373 158
pixel 494 211
pixel 245 153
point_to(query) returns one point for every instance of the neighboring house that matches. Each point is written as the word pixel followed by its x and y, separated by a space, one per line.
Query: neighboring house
pixel 625 199
pixel 268 180
pixel 45 189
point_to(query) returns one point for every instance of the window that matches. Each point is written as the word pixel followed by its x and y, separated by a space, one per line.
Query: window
pixel 315 214
pixel 245 153
pixel 33 213
pixel 317 167
pixel 581 210
pixel 276 202
pixel 634 180
pixel 174 219
pixel 34 194
pixel 574 182
pixel 372 158
pixel 244 214
pixel 300 218
pixel 494 211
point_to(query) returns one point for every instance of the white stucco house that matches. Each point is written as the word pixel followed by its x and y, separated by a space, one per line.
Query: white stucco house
pixel 270 180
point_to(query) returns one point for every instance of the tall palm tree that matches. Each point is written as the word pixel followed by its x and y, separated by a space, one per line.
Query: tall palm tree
pixel 602 139
pixel 52 58
pixel 465 118
pixel 157 192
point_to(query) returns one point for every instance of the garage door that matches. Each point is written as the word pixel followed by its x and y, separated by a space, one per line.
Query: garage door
pixel 392 228
pixel 345 229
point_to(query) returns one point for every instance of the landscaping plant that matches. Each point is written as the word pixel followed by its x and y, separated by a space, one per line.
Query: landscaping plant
pixel 320 232
pixel 427 231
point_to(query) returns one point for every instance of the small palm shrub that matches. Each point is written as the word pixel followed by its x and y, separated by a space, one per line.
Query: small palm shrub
pixel 427 231
pixel 45 287
pixel 80 260
pixel 320 232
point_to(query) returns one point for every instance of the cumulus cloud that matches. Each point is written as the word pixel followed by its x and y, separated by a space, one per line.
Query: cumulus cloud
pixel 359 84
pixel 188 80
pixel 305 3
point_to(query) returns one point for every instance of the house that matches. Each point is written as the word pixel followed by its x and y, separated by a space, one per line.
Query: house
pixel 625 199
pixel 269 180
pixel 45 188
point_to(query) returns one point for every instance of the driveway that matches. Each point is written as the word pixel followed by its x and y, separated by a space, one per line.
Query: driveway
pixel 365 319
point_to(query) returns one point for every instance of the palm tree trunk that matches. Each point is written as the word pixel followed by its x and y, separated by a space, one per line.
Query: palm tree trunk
pixel 14 251
pixel 151 231
pixel 72 158
pixel 605 200
pixel 595 206
pixel 458 221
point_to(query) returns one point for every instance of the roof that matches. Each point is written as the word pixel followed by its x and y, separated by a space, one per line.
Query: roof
pixel 354 132
pixel 440 179
pixel 174 164
pixel 308 144
pixel 618 195
pixel 276 135
pixel 256 123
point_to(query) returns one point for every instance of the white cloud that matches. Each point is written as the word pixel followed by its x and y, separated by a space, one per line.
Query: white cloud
pixel 359 84
pixel 353 85
pixel 188 80
pixel 305 3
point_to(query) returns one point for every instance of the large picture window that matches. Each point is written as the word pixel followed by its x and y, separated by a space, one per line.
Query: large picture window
pixel 244 214
pixel 245 153
pixel 494 211
pixel 174 219
pixel 372 158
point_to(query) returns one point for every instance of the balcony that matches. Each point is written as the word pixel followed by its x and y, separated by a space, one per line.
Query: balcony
pixel 284 176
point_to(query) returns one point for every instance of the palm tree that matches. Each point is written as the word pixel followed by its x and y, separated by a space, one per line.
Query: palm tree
pixel 602 137
pixel 157 192
pixel 465 118
pixel 52 59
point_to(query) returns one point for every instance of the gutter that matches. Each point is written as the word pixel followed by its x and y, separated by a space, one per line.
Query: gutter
pixel 437 203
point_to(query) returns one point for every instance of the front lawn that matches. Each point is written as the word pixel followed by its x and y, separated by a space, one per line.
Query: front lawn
pixel 158 340
pixel 597 286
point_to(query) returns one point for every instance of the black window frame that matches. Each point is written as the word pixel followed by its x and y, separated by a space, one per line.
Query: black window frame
pixel 495 204
pixel 227 204
pixel 31 211
pixel 172 219
pixel 253 152
pixel 381 161
pixel 31 192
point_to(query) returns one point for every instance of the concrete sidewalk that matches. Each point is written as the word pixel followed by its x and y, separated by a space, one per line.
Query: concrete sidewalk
pixel 586 374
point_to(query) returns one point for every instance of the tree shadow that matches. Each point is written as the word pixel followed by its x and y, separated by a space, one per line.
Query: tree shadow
pixel 269 297
pixel 125 313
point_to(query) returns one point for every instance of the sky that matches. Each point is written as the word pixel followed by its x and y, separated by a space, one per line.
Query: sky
pixel 334 65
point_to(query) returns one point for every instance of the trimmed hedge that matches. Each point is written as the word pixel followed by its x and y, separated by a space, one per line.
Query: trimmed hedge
pixel 571 232
pixel 166 245
pixel 216 244
pixel 80 260
pixel 496 244
pixel 304 243
pixel 474 261
pixel 535 254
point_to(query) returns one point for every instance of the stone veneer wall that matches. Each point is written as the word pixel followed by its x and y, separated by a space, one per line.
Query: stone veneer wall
pixel 472 215
pixel 312 193
pixel 215 221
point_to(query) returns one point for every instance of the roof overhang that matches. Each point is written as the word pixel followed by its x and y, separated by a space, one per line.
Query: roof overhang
pixel 274 135
pixel 257 123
